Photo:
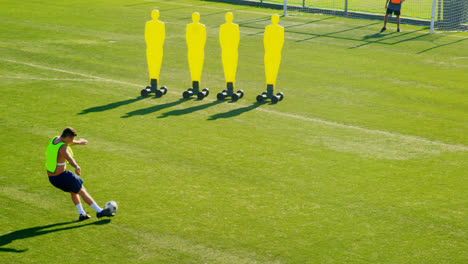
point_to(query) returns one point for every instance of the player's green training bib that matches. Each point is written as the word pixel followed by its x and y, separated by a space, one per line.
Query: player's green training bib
pixel 52 154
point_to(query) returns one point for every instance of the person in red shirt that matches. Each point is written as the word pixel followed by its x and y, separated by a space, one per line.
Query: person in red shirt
pixel 395 8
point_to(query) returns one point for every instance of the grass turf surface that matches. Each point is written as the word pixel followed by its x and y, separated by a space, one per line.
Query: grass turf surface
pixel 363 162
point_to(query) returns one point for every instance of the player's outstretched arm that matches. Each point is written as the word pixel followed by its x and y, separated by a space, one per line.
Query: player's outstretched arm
pixel 70 159
pixel 80 142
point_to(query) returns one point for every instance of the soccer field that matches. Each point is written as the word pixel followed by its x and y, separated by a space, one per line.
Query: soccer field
pixel 364 161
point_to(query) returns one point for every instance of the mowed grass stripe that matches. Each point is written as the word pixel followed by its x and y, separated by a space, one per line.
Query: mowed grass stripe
pixel 450 147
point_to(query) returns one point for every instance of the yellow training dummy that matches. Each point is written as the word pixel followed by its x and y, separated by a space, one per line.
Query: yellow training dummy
pixel 195 36
pixel 273 41
pixel 155 34
pixel 229 37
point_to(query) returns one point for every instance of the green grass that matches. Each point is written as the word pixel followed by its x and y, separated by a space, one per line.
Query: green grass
pixel 364 161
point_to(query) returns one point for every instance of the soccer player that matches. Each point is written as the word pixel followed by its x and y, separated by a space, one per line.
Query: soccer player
pixel 395 8
pixel 58 153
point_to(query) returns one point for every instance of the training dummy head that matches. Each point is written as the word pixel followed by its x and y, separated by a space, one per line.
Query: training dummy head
pixel 155 14
pixel 275 19
pixel 229 17
pixel 195 17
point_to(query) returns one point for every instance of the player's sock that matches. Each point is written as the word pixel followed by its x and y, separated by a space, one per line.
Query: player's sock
pixel 96 207
pixel 80 209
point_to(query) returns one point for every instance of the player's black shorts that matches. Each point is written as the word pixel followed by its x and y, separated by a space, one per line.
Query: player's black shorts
pixel 67 181
pixel 396 12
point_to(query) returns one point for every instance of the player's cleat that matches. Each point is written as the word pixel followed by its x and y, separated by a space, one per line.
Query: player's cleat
pixel 398 30
pixel 84 217
pixel 383 29
pixel 105 212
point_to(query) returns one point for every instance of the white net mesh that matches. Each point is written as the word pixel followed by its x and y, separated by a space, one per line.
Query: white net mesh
pixel 451 15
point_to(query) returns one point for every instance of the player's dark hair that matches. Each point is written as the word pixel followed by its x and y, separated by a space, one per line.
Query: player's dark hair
pixel 68 132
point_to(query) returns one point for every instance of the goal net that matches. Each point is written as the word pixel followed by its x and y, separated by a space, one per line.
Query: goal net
pixel 451 15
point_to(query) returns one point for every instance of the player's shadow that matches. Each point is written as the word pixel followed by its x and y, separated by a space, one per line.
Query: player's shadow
pixel 153 109
pixel 235 112
pixel 39 231
pixel 189 110
pixel 110 106
pixel 376 36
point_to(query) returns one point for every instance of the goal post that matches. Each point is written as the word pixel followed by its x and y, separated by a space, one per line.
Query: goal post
pixel 431 31
pixel 285 7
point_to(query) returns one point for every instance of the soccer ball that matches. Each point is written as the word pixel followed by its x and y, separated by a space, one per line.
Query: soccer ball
pixel 112 205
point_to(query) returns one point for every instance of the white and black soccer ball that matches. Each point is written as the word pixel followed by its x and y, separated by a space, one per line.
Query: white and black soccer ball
pixel 112 205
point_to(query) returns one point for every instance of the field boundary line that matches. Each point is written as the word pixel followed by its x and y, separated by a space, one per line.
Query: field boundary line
pixel 53 79
pixel 310 119
pixel 208 7
pixel 367 130
pixel 243 11
pixel 69 72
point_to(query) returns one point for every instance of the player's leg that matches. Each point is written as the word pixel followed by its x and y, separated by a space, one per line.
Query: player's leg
pixel 90 201
pixel 72 183
pixel 385 22
pixel 77 201
pixel 398 21
pixel 85 195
